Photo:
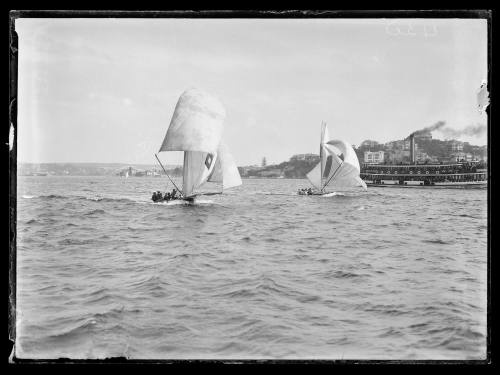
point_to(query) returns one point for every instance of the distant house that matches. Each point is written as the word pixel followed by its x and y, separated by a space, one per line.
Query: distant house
pixel 368 143
pixel 374 157
pixel 455 146
pixel 304 157
pixel 421 157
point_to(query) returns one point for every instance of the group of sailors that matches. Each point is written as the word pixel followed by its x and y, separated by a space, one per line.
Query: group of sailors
pixel 158 197
pixel 305 191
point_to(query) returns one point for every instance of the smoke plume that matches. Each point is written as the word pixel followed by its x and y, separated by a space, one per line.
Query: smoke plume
pixel 471 130
pixel 436 126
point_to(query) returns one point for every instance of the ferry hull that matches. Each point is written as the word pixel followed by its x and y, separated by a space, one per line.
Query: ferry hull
pixel 437 185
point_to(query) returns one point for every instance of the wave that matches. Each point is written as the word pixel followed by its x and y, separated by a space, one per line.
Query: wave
pixel 180 202
pixel 72 241
pixel 73 333
pixel 82 197
pixel 328 195
pixel 343 275
pixel 94 212
pixel 51 196
pixel 438 241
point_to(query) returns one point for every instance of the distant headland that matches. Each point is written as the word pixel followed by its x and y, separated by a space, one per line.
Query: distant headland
pixel 427 150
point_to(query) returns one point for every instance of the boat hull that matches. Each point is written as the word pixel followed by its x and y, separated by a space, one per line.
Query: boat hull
pixel 437 185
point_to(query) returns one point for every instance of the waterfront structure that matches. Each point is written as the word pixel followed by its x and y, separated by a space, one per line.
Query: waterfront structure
pixel 271 173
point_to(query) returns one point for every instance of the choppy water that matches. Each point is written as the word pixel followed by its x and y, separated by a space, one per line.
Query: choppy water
pixel 257 273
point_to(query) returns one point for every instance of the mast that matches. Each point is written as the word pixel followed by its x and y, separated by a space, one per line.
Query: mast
pixel 321 151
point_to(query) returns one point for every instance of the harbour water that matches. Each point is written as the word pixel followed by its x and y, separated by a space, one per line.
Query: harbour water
pixel 258 272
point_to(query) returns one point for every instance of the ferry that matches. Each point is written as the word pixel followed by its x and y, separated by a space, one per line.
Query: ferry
pixel 471 174
pixel 458 175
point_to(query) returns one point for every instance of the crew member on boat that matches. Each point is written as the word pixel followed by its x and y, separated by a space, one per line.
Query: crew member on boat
pixel 156 196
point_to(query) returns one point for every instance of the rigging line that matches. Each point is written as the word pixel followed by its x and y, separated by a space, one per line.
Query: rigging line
pixel 333 175
pixel 173 183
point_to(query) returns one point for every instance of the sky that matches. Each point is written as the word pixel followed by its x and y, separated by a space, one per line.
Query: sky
pixel 104 90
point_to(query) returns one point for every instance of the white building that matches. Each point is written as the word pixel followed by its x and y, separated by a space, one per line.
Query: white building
pixel 455 146
pixel 374 157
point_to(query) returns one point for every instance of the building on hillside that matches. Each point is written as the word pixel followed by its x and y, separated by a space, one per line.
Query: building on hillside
pixel 455 146
pixel 390 145
pixel 369 143
pixel 374 157
pixel 398 156
pixel 407 143
pixel 304 157
pixel 422 157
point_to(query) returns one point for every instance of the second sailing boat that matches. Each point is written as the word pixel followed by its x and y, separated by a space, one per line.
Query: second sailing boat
pixel 338 166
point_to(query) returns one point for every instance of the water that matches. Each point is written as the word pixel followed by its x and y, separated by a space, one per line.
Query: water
pixel 259 272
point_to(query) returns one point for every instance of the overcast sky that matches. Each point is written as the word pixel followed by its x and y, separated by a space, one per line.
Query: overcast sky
pixel 104 90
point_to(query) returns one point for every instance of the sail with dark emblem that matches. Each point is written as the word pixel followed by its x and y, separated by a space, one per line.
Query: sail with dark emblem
pixel 196 128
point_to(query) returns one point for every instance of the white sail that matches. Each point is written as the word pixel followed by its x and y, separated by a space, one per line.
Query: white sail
pixel 347 151
pixel 342 167
pixel 225 169
pixel 338 166
pixel 196 128
pixel 197 168
pixel 314 176
pixel 322 155
pixel 196 124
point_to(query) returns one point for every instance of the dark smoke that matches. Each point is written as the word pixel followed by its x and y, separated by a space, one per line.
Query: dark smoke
pixel 471 130
pixel 436 126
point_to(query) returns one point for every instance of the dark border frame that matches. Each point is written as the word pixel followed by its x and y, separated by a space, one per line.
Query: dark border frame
pixel 258 14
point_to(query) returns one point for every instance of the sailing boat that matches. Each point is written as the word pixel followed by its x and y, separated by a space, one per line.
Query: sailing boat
pixel 196 128
pixel 338 166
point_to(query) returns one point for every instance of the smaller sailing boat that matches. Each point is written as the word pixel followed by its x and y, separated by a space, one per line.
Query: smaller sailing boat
pixel 196 129
pixel 338 167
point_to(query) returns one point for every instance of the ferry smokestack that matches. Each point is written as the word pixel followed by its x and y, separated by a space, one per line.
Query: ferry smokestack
pixel 412 148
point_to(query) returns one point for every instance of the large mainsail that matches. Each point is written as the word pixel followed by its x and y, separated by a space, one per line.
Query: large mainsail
pixel 196 128
pixel 196 124
pixel 338 166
